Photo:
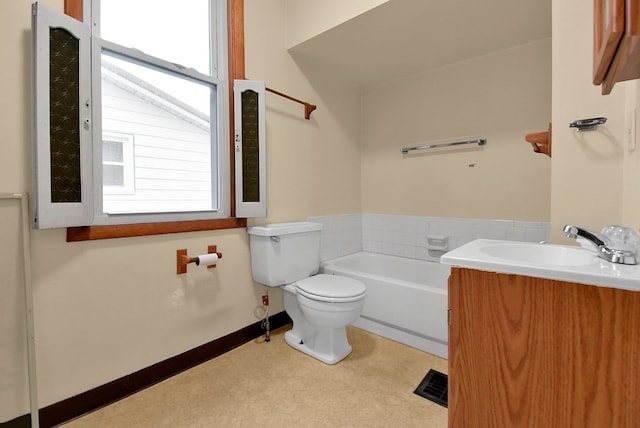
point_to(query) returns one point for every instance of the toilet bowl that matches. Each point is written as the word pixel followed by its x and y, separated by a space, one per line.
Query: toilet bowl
pixel 320 317
pixel 287 255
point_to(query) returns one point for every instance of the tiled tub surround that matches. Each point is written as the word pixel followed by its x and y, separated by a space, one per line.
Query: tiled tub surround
pixel 406 236
pixel 341 235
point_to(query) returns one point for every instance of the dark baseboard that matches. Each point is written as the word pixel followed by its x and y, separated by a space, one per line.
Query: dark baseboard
pixel 113 391
pixel 23 421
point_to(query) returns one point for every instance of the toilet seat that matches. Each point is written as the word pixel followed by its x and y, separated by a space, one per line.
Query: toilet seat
pixel 331 288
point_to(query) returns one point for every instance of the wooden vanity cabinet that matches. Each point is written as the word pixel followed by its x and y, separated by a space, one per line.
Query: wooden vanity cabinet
pixel 532 352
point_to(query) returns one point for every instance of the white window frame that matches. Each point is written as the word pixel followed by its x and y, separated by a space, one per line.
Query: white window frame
pixel 90 211
pixel 128 163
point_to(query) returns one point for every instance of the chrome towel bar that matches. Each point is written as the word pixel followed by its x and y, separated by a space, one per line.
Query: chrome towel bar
pixel 479 141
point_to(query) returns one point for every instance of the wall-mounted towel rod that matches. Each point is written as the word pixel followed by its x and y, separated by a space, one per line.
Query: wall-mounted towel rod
pixel 479 141
pixel 308 108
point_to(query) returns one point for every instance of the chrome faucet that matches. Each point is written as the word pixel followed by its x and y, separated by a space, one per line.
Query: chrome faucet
pixel 602 245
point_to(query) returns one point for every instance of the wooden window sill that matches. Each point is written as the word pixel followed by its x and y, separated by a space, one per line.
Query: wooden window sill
pixel 90 233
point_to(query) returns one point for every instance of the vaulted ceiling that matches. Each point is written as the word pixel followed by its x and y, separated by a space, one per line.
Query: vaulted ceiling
pixel 404 37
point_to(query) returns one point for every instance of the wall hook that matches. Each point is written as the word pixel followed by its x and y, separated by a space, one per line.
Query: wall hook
pixel 588 124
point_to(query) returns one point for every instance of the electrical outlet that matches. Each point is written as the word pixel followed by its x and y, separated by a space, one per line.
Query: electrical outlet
pixel 265 300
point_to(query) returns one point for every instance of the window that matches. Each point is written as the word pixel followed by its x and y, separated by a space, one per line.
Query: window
pixel 117 166
pixel 131 119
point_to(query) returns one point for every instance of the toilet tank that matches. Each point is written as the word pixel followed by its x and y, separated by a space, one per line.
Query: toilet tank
pixel 282 253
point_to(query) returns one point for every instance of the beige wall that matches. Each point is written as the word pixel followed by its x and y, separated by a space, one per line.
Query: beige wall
pixel 631 170
pixel 104 309
pixel 587 170
pixel 313 165
pixel 15 169
pixel 502 97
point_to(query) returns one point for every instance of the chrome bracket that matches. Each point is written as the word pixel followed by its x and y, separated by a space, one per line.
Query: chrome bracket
pixel 588 124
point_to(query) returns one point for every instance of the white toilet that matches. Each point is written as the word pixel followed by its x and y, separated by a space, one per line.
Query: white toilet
pixel 287 255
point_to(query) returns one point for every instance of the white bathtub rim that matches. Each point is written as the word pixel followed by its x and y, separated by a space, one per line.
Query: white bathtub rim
pixel 331 264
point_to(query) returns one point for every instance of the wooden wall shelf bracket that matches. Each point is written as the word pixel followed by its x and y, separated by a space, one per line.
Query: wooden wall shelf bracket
pixel 540 141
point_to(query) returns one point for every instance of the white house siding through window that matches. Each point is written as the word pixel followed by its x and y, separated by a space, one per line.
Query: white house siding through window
pixel 171 152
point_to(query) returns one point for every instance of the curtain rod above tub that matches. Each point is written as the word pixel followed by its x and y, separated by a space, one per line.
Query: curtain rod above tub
pixel 479 141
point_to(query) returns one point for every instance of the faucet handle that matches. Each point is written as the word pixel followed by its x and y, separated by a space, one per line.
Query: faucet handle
pixel 622 238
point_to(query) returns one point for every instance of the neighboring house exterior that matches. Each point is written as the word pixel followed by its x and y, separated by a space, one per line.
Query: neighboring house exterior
pixel 156 149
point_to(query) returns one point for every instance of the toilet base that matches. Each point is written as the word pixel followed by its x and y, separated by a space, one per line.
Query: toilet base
pixel 329 346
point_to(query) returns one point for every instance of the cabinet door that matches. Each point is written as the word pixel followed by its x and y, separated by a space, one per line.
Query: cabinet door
pixel 531 352
pixel 608 27
pixel 500 350
pixel 625 63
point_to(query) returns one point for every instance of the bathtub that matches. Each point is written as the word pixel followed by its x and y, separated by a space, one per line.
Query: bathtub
pixel 406 299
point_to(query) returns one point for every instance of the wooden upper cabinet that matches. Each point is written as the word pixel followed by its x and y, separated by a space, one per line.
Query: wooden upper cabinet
pixel 608 27
pixel 616 40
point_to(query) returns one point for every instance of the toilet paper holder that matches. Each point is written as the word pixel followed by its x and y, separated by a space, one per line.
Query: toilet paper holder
pixel 182 259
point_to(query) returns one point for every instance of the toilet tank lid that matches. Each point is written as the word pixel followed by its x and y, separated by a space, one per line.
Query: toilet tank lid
pixel 277 229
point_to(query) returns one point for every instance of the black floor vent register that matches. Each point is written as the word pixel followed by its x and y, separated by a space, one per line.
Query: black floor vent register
pixel 434 387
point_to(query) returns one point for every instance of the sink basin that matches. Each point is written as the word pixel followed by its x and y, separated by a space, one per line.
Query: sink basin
pixel 540 254
pixel 556 262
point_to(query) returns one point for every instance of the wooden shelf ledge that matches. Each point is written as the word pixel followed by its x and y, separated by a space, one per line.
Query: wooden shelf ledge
pixel 540 141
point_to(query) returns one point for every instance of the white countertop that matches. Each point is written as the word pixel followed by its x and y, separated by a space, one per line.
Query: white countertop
pixel 592 270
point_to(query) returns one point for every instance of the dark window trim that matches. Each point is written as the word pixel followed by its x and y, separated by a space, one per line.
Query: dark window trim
pixel 235 12
pixel 90 233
